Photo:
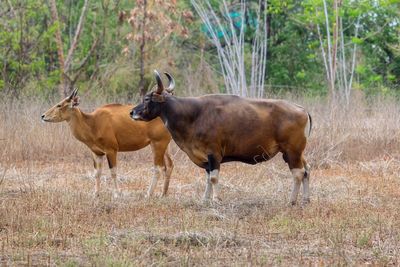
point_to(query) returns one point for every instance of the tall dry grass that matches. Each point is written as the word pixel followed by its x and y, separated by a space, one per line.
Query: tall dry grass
pixel 363 131
pixel 48 215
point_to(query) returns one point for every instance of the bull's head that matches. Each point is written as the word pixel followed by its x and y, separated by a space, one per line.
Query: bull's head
pixel 62 110
pixel 153 101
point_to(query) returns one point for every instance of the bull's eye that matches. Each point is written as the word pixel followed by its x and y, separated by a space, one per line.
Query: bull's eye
pixel 146 99
pixel 59 106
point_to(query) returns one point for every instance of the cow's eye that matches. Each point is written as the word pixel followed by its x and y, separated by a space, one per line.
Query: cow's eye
pixel 59 106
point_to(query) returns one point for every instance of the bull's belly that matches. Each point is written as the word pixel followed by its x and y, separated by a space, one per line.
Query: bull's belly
pixel 253 156
pixel 202 161
pixel 249 160
pixel 257 154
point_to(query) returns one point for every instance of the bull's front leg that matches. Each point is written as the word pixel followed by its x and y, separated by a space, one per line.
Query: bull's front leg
pixel 214 177
pixel 208 191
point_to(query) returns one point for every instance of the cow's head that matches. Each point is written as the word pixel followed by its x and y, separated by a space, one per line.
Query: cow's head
pixel 153 101
pixel 62 110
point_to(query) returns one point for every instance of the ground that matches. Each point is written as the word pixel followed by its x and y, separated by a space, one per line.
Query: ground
pixel 49 216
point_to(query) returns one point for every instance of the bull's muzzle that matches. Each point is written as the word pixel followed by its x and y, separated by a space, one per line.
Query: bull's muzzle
pixel 134 115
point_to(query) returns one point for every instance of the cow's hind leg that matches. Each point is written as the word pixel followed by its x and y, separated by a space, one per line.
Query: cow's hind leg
pixel 112 164
pixel 97 164
pixel 159 150
pixel 169 166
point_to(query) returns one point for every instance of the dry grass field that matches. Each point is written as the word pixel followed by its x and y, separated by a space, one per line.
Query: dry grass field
pixel 48 215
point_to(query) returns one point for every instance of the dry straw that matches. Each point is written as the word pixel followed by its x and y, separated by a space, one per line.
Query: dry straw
pixel 48 215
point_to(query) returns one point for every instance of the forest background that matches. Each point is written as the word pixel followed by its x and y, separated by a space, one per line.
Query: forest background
pixel 110 48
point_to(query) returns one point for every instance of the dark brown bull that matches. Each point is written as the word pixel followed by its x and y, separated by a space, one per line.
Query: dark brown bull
pixel 213 129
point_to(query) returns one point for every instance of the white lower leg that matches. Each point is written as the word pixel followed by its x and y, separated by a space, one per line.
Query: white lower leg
pixel 208 187
pixel 214 175
pixel 97 173
pixel 156 174
pixel 166 182
pixel 297 179
pixel 114 178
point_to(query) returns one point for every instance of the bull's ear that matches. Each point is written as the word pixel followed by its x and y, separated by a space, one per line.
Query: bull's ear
pixel 157 98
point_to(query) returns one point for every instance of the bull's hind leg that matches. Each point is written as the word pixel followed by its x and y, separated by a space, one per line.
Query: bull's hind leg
pixel 306 186
pixel 295 162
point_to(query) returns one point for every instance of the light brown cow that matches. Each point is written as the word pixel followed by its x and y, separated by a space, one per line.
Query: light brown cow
pixel 214 129
pixel 108 130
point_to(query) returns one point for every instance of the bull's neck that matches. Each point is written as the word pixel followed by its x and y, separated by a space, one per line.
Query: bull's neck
pixel 79 124
pixel 178 113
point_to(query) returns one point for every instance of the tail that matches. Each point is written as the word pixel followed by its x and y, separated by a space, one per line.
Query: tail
pixel 307 131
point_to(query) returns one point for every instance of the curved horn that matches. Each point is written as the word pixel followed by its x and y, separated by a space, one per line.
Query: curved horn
pixel 171 83
pixel 73 94
pixel 160 87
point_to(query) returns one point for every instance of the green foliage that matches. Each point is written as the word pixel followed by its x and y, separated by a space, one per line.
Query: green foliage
pixel 26 42
pixel 29 60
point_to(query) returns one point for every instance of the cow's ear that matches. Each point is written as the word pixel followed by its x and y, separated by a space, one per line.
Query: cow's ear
pixel 157 98
pixel 75 102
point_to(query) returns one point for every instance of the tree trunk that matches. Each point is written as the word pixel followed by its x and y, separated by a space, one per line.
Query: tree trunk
pixel 334 48
pixel 76 36
pixel 54 14
pixel 141 51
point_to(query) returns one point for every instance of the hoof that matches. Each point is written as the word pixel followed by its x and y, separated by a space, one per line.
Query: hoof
pixel 96 194
pixel 206 201
pixel 116 194
pixel 217 200
pixel 292 203
pixel 206 198
pixel 305 202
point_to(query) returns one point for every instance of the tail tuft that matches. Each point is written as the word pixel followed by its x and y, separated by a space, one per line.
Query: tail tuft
pixel 307 131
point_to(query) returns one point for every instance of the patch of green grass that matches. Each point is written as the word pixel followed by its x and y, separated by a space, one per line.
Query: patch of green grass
pixel 364 238
pixel 72 262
